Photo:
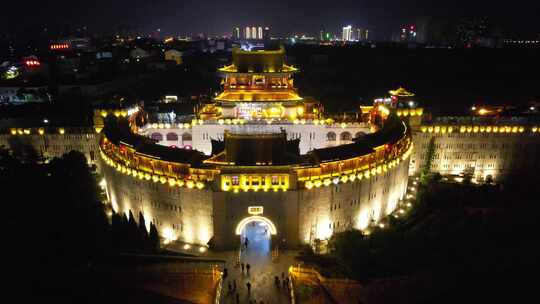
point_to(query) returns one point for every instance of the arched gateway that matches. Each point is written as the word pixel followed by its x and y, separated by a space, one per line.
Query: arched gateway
pixel 255 218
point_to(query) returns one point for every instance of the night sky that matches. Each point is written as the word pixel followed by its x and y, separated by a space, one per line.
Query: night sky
pixel 284 17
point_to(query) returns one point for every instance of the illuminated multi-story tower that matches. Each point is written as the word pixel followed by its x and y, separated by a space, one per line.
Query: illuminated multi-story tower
pixel 259 85
pixel 236 33
pixel 347 33
pixel 253 32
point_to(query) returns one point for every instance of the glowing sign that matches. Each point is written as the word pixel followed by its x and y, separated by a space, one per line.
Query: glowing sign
pixel 32 63
pixel 60 46
pixel 255 210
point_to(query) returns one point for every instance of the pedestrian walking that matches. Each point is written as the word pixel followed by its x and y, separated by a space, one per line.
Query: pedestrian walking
pixel 287 282
pixel 276 281
pixel 234 285
pixel 248 285
pixel 237 298
pixel 283 275
pixel 230 288
pixel 284 283
pixel 246 242
pixel 225 273
pixel 248 267
pixel 242 264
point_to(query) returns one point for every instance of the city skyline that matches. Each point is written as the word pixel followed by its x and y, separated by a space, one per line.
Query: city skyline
pixel 299 17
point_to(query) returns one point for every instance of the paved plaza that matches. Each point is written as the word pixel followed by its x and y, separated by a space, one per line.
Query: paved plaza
pixel 262 272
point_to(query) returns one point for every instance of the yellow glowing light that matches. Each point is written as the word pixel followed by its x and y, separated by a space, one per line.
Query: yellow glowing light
pixel 327 182
pixel 168 234
pixel 190 184
pixel 199 185
pixel 14 131
pixel 363 219
pixel 483 111
pixel 317 183
pixel 255 218
pixel 163 179
pixel 61 131
pixel 300 110
pixel 344 178
pixel 172 182
pixel 352 177
pixel 309 184
pixel 41 131
pixel 424 129
pixel 155 178
pixel 187 246
pixel 385 110
pixel 202 249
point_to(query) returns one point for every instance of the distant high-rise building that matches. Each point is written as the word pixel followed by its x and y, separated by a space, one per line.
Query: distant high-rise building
pixel 253 32
pixel 471 30
pixel 408 33
pixel 236 33
pixel 347 33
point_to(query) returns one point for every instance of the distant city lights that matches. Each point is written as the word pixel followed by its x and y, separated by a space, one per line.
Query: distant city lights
pixel 60 46
pixel 32 63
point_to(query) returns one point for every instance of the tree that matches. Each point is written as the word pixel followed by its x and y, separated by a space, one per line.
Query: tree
pixel 143 234
pixel 426 169
pixel 153 238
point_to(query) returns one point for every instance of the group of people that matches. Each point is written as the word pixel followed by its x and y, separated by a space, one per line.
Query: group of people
pixel 284 281
pixel 232 287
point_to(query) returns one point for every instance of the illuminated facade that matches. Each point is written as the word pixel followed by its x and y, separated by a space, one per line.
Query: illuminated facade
pixel 258 96
pixel 259 152
pixel 300 173
pixel 489 150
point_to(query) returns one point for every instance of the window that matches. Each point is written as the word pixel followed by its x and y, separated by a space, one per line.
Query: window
pixel 235 180
pixel 331 136
pixel 345 136
pixel 157 136
pixel 275 180
pixel 186 137
pixel 172 136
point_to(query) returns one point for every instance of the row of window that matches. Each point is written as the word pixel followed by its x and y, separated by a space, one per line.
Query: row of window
pixel 165 206
pixel 171 136
pixel 343 136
